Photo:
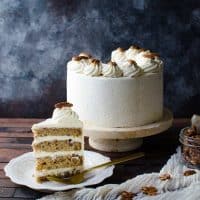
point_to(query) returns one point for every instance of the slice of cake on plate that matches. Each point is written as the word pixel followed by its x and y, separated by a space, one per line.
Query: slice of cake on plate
pixel 58 144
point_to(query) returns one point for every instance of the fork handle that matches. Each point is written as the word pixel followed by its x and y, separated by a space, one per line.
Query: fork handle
pixel 116 161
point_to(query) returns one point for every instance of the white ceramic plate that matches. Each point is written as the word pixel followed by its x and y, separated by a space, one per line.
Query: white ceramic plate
pixel 20 170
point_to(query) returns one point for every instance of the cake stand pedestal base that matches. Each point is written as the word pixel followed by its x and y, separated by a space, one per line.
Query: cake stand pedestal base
pixel 115 145
pixel 125 139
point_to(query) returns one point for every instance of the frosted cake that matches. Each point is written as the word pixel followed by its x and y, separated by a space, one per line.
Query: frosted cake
pixel 58 144
pixel 125 92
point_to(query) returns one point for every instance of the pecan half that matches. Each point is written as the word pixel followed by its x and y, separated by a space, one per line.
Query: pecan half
pixel 127 195
pixel 165 177
pixel 151 191
pixel 189 172
pixel 63 104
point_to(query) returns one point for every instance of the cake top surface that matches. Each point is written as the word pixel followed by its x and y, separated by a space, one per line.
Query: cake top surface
pixel 131 62
pixel 63 117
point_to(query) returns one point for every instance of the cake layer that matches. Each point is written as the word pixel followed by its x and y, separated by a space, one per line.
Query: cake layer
pixel 116 102
pixel 57 131
pixel 47 163
pixel 61 172
pixel 50 146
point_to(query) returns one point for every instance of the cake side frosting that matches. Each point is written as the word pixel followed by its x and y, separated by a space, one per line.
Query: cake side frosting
pixel 116 102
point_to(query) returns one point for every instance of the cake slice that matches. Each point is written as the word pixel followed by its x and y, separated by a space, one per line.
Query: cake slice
pixel 58 144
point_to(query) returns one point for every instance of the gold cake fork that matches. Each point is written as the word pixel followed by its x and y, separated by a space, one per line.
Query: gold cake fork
pixel 78 178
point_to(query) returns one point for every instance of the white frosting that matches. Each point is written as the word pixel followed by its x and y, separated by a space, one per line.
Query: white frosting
pixel 77 64
pixel 118 56
pixel 40 154
pixel 38 140
pixel 195 121
pixel 94 68
pixel 146 63
pixel 111 70
pixel 130 69
pixel 116 102
pixel 132 52
pixel 61 118
pixel 57 171
pixel 146 60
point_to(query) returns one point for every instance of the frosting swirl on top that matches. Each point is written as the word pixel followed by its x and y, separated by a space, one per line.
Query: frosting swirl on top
pixel 118 56
pixel 63 116
pixel 142 61
pixel 94 68
pixel 132 52
pixel 131 69
pixel 148 61
pixel 87 55
pixel 77 63
pixel 111 70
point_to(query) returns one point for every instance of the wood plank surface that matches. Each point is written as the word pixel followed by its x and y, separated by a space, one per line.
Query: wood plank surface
pixel 16 139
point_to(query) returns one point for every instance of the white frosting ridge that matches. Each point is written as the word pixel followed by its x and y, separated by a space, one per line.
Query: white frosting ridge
pixel 38 140
pixel 57 171
pixel 111 70
pixel 78 63
pixel 118 56
pixel 40 154
pixel 131 69
pixel 94 68
pixel 148 62
pixel 132 52
pixel 63 117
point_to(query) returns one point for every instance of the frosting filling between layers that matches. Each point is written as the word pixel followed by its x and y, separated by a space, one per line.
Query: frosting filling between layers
pixel 40 154
pixel 57 171
pixel 38 140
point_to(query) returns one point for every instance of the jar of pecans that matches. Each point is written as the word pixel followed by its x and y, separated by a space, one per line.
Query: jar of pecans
pixel 190 146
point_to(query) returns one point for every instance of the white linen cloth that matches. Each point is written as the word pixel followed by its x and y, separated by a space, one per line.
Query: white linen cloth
pixel 178 187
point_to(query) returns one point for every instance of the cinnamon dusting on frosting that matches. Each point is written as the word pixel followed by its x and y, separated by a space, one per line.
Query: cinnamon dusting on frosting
pixel 134 47
pixel 132 62
pixel 63 104
pixel 79 58
pixel 151 55
pixel 120 49
pixel 95 61
pixel 85 55
pixel 114 64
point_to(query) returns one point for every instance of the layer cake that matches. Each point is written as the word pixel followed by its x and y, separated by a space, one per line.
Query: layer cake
pixel 125 92
pixel 58 144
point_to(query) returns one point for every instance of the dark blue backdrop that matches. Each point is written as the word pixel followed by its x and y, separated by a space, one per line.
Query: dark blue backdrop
pixel 38 37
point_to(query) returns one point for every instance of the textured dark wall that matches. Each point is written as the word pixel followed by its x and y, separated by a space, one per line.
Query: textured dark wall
pixel 38 37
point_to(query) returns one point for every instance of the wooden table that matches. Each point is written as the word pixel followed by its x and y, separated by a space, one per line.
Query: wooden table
pixel 16 138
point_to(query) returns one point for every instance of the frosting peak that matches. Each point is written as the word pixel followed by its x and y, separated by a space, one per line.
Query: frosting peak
pixel 77 63
pixel 148 61
pixel 94 68
pixel 111 70
pixel 118 56
pixel 85 55
pixel 63 116
pixel 131 69
pixel 132 52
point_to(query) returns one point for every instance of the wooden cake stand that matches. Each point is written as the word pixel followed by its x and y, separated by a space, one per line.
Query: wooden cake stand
pixel 125 139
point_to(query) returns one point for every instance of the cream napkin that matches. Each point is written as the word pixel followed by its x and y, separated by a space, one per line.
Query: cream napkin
pixel 177 187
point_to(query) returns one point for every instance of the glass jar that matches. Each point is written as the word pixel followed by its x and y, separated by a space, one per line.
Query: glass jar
pixel 190 148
